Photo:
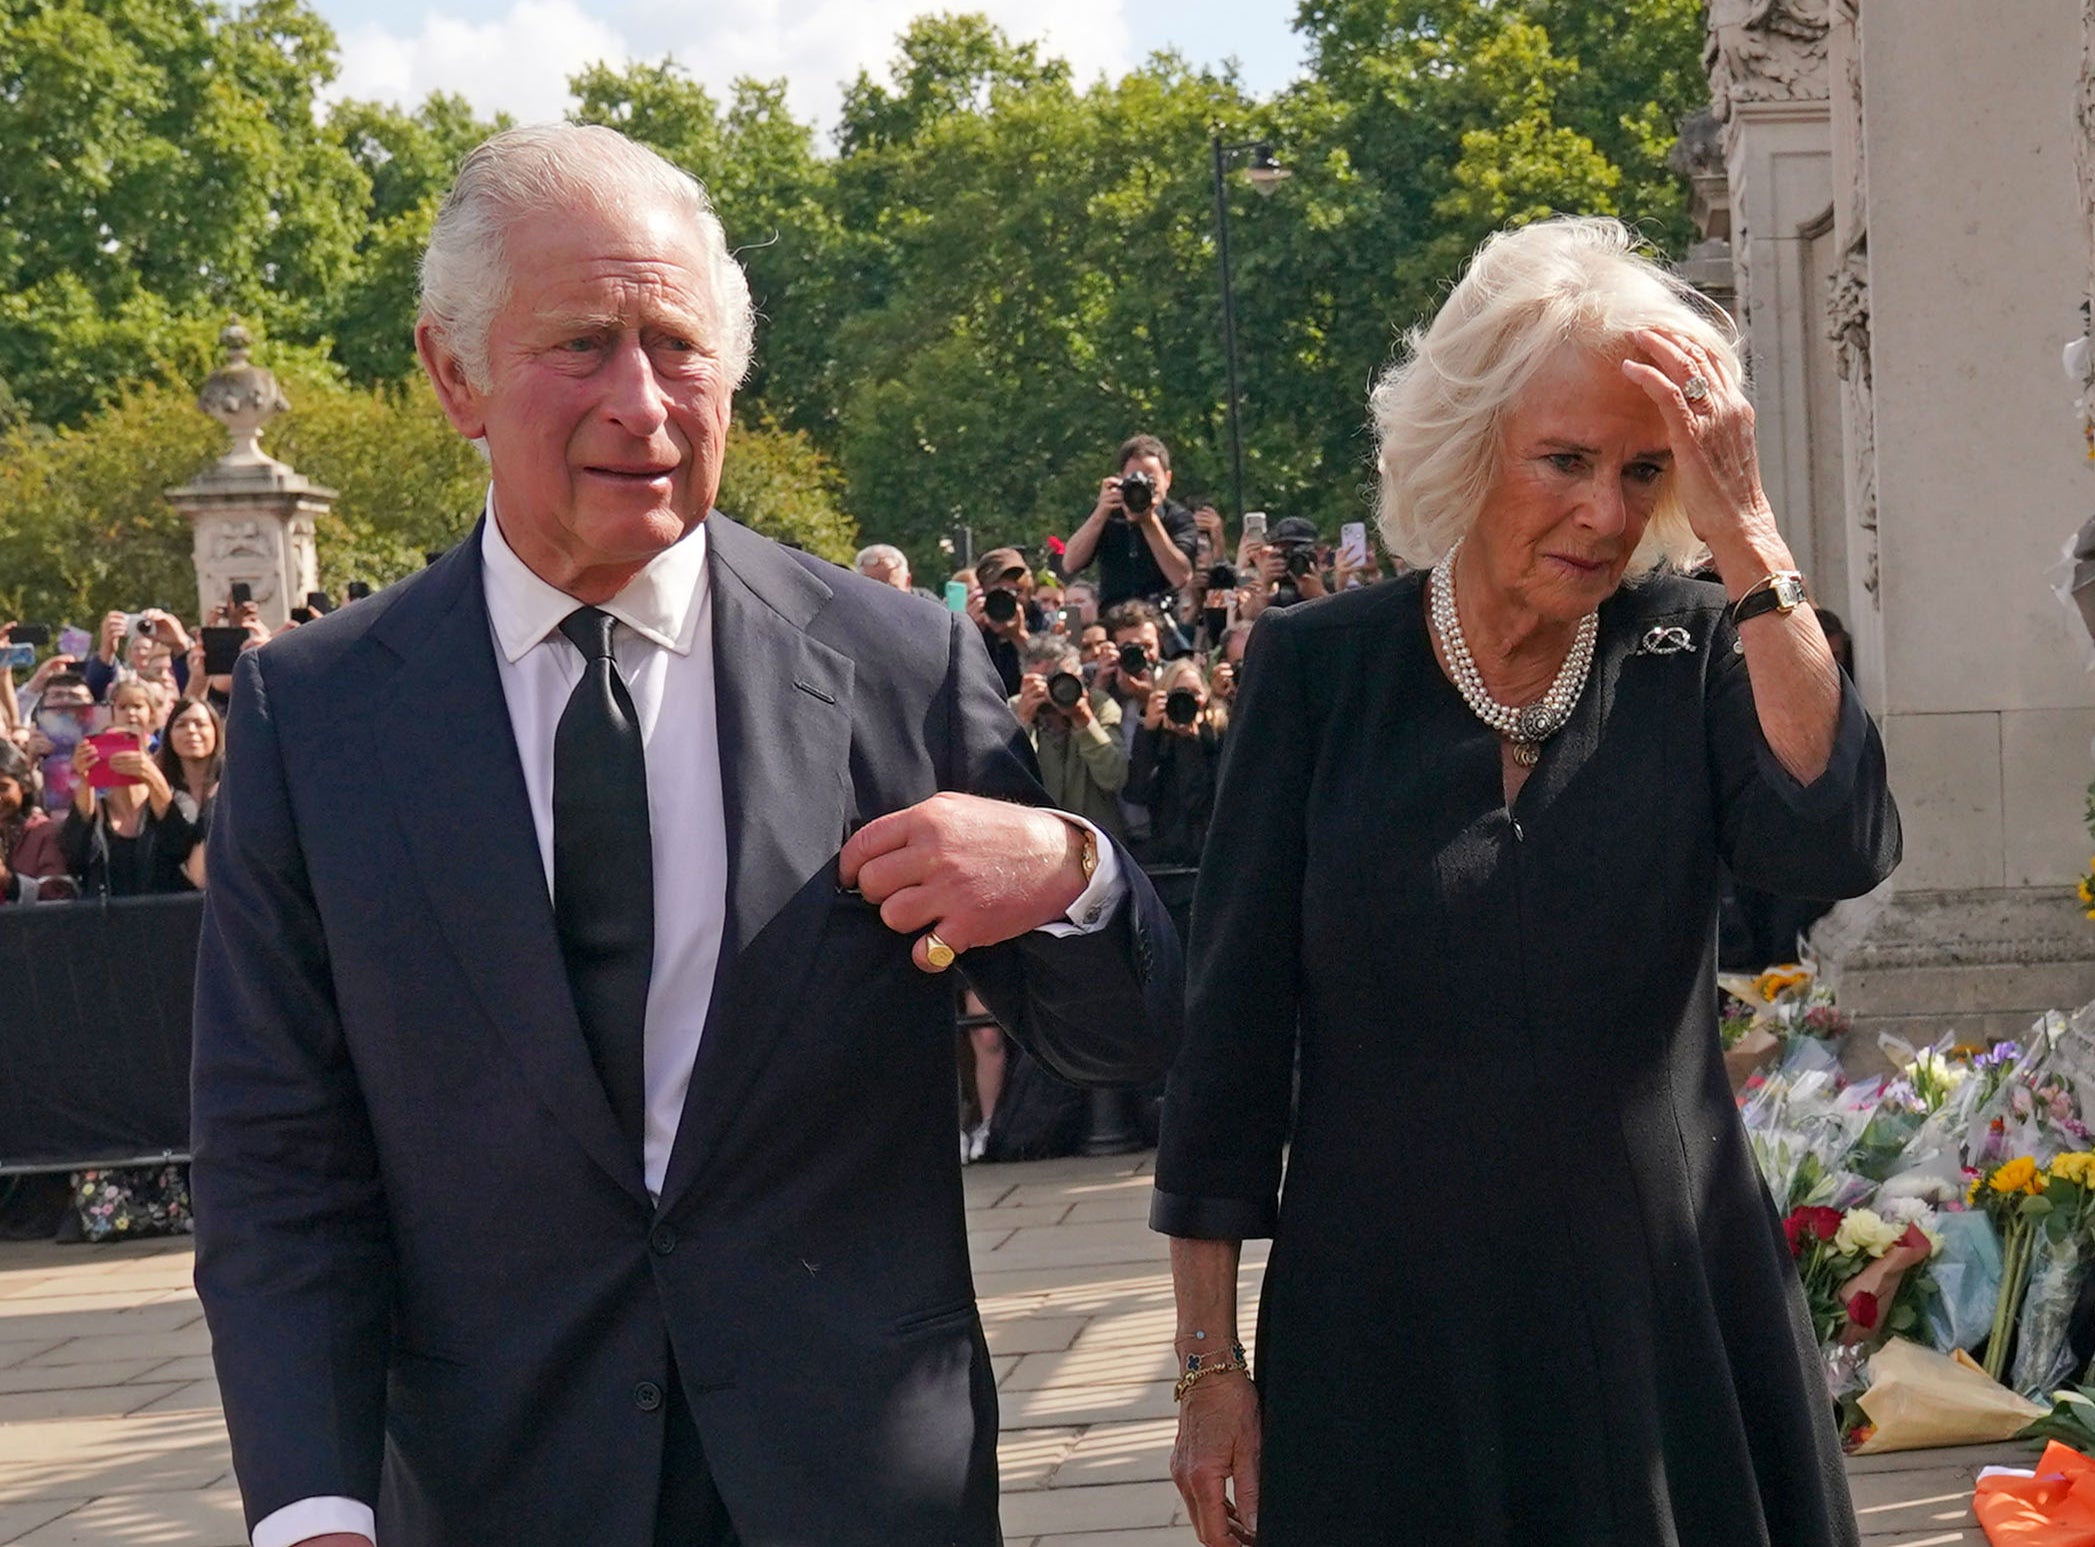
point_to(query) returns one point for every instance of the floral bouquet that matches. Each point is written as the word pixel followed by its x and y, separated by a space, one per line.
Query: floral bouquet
pixel 2059 1245
pixel 1859 1272
pixel 2012 1195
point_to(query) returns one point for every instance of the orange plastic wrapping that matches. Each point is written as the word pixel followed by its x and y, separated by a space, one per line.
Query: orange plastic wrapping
pixel 2056 1508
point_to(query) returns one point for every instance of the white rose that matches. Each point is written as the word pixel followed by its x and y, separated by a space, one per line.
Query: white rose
pixel 1864 1232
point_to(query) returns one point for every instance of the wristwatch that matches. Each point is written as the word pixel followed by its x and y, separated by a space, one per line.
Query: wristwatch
pixel 1781 592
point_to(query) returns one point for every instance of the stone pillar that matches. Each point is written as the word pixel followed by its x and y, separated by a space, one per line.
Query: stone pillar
pixel 1698 156
pixel 1963 241
pixel 254 517
pixel 1770 95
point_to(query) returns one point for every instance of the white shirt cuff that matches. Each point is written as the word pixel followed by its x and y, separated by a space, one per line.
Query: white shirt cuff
pixel 1098 904
pixel 295 1523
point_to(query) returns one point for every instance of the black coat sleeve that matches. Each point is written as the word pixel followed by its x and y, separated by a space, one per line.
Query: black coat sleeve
pixel 1836 837
pixel 293 1258
pixel 1226 1110
pixel 1098 1009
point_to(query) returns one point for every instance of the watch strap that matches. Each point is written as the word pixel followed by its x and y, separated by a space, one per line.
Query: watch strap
pixel 1783 591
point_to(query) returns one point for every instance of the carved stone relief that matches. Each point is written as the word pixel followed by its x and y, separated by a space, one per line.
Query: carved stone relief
pixel 1765 51
pixel 1848 307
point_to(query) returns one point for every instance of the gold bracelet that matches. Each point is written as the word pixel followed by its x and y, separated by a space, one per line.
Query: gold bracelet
pixel 1192 1378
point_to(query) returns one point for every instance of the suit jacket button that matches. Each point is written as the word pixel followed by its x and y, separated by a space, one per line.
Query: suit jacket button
pixel 647 1396
pixel 664 1241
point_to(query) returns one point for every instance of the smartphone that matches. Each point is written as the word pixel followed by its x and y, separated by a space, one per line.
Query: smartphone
pixel 18 657
pixel 318 602
pixel 301 614
pixel 37 634
pixel 243 593
pixel 107 744
pixel 222 647
pixel 956 596
pixel 1353 543
pixel 76 642
pixel 1073 622
pixel 1254 526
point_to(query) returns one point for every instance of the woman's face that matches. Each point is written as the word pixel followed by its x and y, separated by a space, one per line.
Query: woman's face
pixel 192 735
pixel 1583 456
pixel 12 797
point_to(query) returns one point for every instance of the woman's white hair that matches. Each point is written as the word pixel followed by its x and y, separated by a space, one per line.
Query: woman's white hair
pixel 544 168
pixel 1576 282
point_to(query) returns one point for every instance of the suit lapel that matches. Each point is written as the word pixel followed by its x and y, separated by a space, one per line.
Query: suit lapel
pixel 449 757
pixel 783 701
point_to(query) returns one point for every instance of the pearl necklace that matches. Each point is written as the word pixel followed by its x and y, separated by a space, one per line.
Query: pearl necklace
pixel 1530 725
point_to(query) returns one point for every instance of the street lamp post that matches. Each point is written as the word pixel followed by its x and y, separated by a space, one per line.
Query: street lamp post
pixel 1266 174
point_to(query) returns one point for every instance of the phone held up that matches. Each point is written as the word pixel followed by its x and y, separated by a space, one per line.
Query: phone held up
pixel 107 745
pixel 1254 526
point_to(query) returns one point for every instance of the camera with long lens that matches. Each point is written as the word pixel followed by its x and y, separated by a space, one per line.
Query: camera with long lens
pixel 1181 706
pixel 1000 605
pixel 1134 660
pixel 1064 690
pixel 1138 491
pixel 1222 577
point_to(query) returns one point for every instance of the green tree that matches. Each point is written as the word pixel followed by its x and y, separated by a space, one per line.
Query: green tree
pixel 163 167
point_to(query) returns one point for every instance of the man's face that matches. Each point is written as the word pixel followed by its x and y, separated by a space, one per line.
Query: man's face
pixel 1158 473
pixel 70 696
pixel 1143 634
pixel 1096 644
pixel 605 416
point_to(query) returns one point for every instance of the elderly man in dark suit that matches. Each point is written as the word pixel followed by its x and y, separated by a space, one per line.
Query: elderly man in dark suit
pixel 574 1086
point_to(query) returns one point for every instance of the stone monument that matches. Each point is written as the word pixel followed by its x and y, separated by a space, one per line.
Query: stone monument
pixel 1913 248
pixel 254 517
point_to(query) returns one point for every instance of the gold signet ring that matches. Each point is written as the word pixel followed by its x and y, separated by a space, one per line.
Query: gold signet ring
pixel 937 952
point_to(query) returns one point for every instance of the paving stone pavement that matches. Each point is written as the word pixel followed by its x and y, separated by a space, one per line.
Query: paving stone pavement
pixel 110 1431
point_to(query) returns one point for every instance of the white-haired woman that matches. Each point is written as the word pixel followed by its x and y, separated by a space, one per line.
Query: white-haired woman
pixel 1526 1285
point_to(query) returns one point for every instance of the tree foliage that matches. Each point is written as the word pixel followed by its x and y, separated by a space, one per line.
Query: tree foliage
pixel 978 282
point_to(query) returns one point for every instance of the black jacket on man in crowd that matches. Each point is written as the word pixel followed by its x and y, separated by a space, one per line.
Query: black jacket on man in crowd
pixel 1128 571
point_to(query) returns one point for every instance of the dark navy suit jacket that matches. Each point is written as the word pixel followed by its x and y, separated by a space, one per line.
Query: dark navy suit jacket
pixel 434 1277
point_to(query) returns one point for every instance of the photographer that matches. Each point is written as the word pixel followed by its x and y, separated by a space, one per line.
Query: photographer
pixel 151 643
pixel 1127 670
pixel 1289 563
pixel 1075 731
pixel 1177 749
pixel 1002 607
pixel 1144 543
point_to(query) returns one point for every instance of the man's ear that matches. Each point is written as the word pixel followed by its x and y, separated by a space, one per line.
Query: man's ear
pixel 455 392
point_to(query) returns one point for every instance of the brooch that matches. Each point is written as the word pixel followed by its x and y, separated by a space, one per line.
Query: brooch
pixel 1665 639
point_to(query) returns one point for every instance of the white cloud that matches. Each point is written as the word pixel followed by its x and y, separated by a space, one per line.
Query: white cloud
pixel 519 62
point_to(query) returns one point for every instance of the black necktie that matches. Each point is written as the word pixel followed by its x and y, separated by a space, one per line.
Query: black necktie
pixel 603 867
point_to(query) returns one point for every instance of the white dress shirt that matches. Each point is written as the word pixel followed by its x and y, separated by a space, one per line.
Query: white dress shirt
pixel 665 654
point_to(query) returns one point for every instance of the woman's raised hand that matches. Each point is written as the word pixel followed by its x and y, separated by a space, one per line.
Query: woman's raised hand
pixel 1714 460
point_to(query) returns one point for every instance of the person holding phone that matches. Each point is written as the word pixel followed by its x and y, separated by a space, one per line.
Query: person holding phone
pixel 192 759
pixel 128 831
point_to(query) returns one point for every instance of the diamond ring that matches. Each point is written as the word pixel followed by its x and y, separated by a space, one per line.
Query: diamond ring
pixel 1696 388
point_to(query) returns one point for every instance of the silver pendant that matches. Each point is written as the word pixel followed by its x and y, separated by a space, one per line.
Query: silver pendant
pixel 1527 753
pixel 1666 640
pixel 1537 722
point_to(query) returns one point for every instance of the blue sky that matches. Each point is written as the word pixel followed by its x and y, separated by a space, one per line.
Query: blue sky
pixel 514 55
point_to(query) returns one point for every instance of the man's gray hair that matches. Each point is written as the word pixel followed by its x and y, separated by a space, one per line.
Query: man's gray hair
pixel 543 168
pixel 886 555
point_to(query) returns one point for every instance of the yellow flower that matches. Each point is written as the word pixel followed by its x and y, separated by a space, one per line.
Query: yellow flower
pixel 1779 980
pixel 2087 893
pixel 1971 1193
pixel 2077 1167
pixel 2017 1175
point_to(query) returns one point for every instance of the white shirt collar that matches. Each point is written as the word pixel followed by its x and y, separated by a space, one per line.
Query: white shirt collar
pixel 660 603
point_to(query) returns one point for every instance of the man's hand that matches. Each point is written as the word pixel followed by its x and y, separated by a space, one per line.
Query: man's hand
pixel 167 629
pixel 977 871
pixel 1153 710
pixel 1209 520
pixel 1080 713
pixel 1109 499
pixel 112 636
pixel 1032 696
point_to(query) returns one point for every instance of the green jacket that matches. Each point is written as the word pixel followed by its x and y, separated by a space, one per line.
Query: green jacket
pixel 1084 770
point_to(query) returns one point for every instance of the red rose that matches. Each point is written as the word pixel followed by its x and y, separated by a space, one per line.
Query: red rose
pixel 1824 1224
pixel 1793 1232
pixel 1862 1310
pixel 1916 1239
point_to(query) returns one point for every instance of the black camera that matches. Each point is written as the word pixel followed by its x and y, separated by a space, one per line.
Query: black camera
pixel 1064 689
pixel 1301 559
pixel 1181 706
pixel 1134 660
pixel 1223 577
pixel 1000 606
pixel 1138 491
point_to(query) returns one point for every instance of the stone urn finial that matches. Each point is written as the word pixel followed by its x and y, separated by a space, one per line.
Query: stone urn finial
pixel 243 398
